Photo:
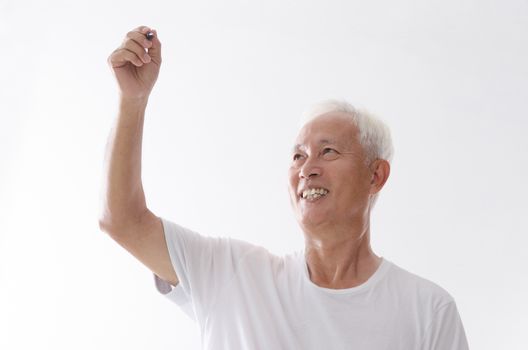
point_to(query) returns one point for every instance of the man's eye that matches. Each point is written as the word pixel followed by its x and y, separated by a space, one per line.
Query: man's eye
pixel 329 153
pixel 297 156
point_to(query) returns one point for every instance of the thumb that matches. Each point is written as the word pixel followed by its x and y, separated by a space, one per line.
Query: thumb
pixel 155 50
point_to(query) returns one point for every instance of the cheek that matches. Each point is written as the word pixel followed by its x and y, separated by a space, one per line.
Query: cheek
pixel 293 182
pixel 293 178
pixel 353 186
pixel 358 186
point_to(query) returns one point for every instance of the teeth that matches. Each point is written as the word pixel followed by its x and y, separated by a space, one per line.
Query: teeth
pixel 314 193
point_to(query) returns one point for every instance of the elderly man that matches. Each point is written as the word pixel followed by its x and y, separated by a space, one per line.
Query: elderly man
pixel 335 294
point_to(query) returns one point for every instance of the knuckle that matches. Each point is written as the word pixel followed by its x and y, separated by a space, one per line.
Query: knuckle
pixel 133 46
pixel 125 55
pixel 140 30
pixel 113 55
pixel 128 43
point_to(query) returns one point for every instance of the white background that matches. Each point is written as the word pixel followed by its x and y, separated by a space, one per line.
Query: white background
pixel 449 77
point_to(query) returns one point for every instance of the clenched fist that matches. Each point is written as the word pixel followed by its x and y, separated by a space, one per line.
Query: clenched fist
pixel 136 63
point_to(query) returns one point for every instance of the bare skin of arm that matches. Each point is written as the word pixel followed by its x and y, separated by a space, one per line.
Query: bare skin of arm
pixel 124 213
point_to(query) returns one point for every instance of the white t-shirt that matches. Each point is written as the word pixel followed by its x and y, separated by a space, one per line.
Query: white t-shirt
pixel 244 297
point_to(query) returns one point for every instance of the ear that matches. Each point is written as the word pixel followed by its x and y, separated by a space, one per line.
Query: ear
pixel 380 171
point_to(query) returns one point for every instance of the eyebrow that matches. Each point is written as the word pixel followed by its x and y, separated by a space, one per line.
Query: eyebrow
pixel 321 142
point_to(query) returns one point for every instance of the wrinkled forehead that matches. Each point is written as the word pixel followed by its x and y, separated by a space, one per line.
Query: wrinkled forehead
pixel 335 128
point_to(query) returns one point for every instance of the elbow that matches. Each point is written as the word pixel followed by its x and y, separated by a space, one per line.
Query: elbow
pixel 106 218
pixel 114 230
pixel 108 223
pixel 105 226
pixel 110 220
pixel 116 225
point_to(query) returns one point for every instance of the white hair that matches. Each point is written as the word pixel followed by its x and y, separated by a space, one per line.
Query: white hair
pixel 374 134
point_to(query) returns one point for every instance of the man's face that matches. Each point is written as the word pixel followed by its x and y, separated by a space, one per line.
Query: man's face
pixel 328 158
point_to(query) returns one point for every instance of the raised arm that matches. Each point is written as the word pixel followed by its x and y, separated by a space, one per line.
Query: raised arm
pixel 124 213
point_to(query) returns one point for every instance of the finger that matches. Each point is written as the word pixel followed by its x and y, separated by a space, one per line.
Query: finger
pixel 155 50
pixel 139 34
pixel 142 29
pixel 121 57
pixel 138 48
pixel 140 38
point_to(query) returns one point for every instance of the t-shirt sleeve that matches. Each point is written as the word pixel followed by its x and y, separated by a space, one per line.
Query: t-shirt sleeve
pixel 445 331
pixel 204 266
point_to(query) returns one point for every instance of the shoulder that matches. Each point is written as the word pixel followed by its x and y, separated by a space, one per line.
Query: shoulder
pixel 418 289
pixel 180 235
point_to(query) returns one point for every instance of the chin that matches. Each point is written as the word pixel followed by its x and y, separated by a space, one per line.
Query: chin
pixel 312 220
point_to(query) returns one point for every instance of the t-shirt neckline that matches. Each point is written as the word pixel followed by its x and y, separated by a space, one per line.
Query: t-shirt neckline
pixel 376 276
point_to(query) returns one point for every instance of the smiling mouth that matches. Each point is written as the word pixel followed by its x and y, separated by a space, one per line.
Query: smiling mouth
pixel 314 193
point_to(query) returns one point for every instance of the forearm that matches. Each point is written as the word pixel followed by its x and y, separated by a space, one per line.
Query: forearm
pixel 122 191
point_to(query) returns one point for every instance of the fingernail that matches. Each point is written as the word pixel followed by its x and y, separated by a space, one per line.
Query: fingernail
pixel 146 57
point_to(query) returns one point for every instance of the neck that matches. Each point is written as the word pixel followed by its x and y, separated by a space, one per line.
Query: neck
pixel 340 257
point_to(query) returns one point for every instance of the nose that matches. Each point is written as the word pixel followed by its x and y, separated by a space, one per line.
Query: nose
pixel 309 170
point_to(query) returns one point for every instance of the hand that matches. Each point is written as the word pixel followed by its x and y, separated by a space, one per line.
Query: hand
pixel 136 63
